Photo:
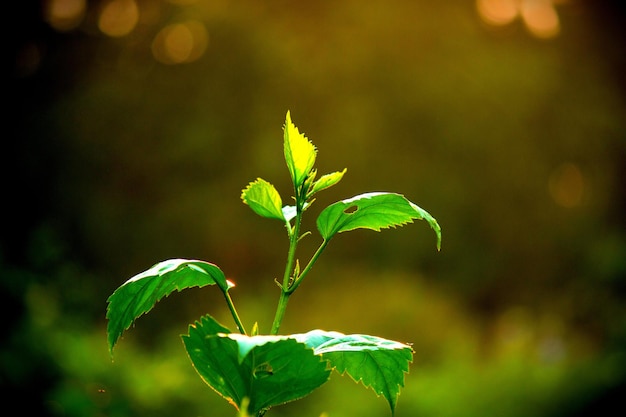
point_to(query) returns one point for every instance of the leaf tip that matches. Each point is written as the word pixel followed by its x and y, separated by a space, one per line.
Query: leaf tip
pixel 437 230
pixel 288 119
pixel 112 341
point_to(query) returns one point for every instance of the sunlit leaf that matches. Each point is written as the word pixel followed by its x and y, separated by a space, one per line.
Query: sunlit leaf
pixel 263 199
pixel 268 370
pixel 299 153
pixel 139 294
pixel 378 363
pixel 373 211
pixel 326 181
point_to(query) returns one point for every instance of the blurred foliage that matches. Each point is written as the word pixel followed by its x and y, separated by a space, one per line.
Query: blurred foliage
pixel 517 145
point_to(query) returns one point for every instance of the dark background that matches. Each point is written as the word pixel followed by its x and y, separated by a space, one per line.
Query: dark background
pixel 117 155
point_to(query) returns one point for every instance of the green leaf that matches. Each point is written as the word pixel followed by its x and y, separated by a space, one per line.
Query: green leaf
pixel 139 294
pixel 263 199
pixel 326 181
pixel 268 370
pixel 299 153
pixel 378 363
pixel 373 211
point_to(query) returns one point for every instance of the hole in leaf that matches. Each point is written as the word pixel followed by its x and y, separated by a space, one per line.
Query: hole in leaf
pixel 263 371
pixel 351 209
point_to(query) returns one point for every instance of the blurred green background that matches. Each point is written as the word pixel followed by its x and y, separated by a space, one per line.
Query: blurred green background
pixel 133 126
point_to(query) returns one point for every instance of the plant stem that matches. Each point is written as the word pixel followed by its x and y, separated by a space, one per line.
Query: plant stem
pixel 291 256
pixel 308 267
pixel 233 312
pixel 280 311
pixel 286 292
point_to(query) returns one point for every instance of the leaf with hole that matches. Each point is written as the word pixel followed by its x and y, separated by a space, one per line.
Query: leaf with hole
pixel 267 370
pixel 373 211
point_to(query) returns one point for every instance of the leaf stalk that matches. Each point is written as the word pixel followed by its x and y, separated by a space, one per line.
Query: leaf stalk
pixel 233 312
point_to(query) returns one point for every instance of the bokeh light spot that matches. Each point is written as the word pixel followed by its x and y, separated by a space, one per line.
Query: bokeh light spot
pixel 65 15
pixel 540 18
pixel 118 17
pixel 180 43
pixel 497 12
pixel 566 185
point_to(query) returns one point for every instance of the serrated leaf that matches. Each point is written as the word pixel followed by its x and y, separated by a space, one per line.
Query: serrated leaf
pixel 326 181
pixel 378 363
pixel 373 211
pixel 268 370
pixel 140 293
pixel 263 199
pixel 299 153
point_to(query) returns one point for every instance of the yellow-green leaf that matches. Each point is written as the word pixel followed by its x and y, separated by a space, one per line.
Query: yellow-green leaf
pixel 326 181
pixel 299 153
pixel 263 199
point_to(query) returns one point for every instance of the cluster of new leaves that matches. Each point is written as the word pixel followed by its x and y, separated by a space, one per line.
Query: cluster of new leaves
pixel 300 156
pixel 370 211
pixel 256 372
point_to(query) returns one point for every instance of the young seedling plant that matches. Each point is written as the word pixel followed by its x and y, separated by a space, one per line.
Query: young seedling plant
pixel 256 372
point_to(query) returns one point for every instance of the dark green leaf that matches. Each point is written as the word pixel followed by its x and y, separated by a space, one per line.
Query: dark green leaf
pixel 373 211
pixel 139 294
pixel 268 370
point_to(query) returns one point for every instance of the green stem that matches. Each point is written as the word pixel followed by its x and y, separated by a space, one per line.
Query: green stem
pixel 280 311
pixel 286 292
pixel 308 267
pixel 291 256
pixel 233 312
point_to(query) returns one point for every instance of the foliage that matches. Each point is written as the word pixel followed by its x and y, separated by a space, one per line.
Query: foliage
pixel 257 372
